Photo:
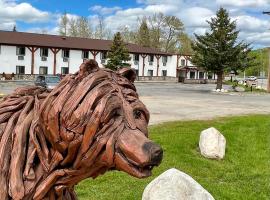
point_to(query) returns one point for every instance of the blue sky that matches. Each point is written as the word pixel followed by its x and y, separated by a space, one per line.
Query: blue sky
pixel 43 15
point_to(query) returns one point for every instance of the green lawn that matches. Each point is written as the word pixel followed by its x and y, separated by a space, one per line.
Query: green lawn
pixel 243 174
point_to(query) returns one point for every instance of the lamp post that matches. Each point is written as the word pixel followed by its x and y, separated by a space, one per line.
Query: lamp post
pixel 268 82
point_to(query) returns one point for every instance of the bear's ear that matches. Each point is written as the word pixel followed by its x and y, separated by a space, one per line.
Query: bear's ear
pixel 128 73
pixel 88 66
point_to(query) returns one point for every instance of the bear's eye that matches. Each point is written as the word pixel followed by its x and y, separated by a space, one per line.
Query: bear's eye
pixel 137 114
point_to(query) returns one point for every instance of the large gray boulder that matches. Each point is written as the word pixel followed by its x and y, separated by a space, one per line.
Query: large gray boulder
pixel 212 144
pixel 175 185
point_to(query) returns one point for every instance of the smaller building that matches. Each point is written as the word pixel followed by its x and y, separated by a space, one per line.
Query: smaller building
pixel 189 73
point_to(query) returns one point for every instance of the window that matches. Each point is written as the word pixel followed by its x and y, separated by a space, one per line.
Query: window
pixel 64 70
pixel 150 72
pixel 201 75
pixel 20 51
pixel 210 76
pixel 164 72
pixel 164 59
pixel 192 75
pixel 136 57
pixel 183 62
pixel 150 58
pixel 65 53
pixel 85 54
pixel 43 70
pixel 103 55
pixel 20 69
pixel 44 52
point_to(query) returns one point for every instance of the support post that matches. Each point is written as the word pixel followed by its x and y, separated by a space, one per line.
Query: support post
pixel 157 57
pixel 55 51
pixel 177 65
pixel 143 56
pixel 94 53
pixel 32 50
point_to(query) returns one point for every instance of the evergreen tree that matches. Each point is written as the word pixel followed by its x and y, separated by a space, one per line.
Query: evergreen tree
pixel 143 36
pixel 218 50
pixel 118 53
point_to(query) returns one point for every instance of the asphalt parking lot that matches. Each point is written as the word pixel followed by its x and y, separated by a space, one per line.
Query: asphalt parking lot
pixel 174 101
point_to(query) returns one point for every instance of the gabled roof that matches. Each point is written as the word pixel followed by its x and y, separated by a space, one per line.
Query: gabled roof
pixel 56 41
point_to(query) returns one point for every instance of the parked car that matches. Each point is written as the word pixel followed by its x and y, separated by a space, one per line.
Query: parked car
pixel 49 82
pixel 251 78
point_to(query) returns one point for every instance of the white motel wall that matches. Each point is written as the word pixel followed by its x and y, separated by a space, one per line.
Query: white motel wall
pixel 10 61
pixel 25 55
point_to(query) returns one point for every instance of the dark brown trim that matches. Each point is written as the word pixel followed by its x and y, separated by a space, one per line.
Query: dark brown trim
pixel 55 51
pixel 177 64
pixel 32 50
pixel 94 53
pixel 73 43
pixel 157 57
pixel 143 56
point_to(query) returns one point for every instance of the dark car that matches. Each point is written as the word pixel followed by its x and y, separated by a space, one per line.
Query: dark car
pixel 49 82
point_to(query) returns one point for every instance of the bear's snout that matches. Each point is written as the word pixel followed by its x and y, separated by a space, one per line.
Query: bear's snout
pixel 155 152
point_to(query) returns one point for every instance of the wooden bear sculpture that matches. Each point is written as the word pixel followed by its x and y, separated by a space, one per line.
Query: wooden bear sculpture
pixel 91 122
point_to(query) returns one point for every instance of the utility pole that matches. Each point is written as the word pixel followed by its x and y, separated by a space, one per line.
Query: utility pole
pixel 268 81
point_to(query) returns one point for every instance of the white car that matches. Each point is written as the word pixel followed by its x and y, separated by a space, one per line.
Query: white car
pixel 251 78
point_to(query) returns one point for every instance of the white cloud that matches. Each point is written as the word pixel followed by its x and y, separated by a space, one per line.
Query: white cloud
pixel 104 10
pixel 244 3
pixel 11 11
pixel 196 17
pixel 251 24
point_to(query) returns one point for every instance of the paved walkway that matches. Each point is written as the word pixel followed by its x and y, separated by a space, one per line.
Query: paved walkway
pixel 170 102
pixel 174 101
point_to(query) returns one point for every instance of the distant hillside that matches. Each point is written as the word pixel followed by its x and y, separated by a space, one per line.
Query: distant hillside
pixel 262 58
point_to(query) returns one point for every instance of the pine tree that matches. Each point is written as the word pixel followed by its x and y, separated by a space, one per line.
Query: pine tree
pixel 218 50
pixel 118 53
pixel 143 36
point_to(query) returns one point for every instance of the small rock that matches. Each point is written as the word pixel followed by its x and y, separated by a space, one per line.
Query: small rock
pixel 175 185
pixel 212 144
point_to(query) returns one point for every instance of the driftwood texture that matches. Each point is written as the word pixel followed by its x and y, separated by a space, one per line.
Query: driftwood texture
pixel 91 122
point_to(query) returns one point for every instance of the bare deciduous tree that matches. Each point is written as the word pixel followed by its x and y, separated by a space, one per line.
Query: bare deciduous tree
pixel 63 25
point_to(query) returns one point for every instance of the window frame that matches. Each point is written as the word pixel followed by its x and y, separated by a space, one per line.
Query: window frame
pixel 18 70
pixel 83 54
pixel 64 68
pixel 44 67
pixel 64 52
pixel 18 50
pixel 42 54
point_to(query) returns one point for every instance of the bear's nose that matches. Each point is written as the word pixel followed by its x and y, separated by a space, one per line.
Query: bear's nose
pixel 156 154
pixel 154 151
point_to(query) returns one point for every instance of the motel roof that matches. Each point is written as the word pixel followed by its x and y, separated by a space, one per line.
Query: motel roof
pixel 64 42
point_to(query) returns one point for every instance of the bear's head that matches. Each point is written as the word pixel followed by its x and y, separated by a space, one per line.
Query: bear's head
pixel 95 122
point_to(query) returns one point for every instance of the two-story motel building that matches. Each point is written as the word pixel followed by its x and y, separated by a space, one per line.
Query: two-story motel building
pixel 28 54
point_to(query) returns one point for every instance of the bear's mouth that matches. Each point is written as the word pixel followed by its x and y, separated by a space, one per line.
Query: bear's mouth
pixel 124 163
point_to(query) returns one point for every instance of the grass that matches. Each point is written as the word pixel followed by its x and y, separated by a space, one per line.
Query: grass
pixel 246 87
pixel 244 174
